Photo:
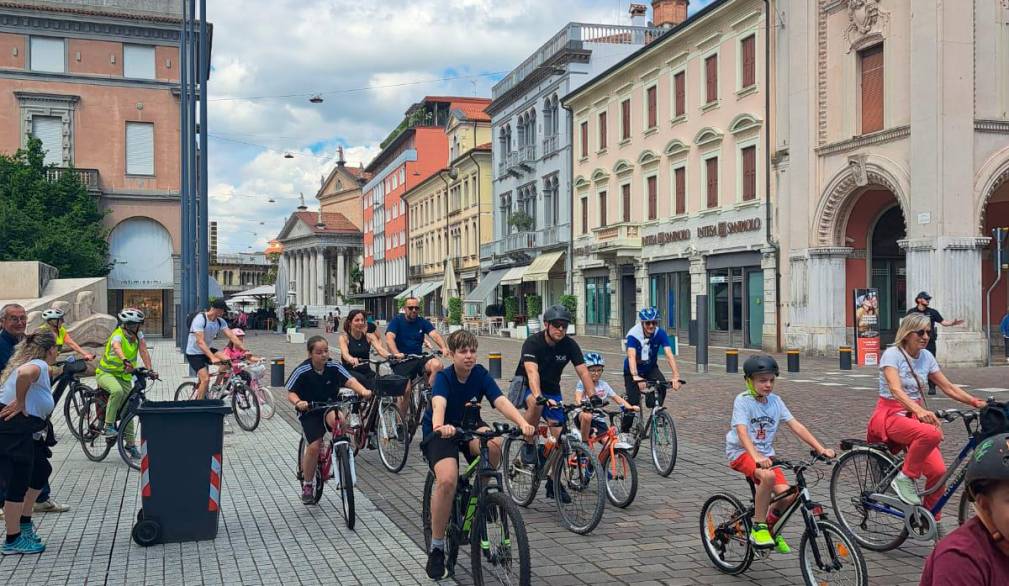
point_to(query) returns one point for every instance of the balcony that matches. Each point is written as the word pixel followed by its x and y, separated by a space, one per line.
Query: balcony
pixel 89 177
pixel 527 156
pixel 550 145
pixel 416 271
pixel 622 239
pixel 555 235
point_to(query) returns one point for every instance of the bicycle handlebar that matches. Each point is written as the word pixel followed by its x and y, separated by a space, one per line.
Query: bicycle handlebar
pixel 406 357
pixel 951 415
pixel 464 435
pixel 798 465
pixel 319 406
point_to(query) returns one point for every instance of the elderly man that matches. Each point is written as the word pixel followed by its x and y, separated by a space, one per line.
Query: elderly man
pixel 13 320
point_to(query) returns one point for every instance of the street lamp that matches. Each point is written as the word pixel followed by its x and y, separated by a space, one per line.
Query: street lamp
pixel 288 156
pixel 316 99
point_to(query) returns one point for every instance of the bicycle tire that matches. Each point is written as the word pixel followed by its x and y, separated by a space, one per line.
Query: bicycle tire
pixel 319 481
pixel 622 468
pixel 515 468
pixel 248 417
pixel 267 406
pixel 91 427
pixel 391 432
pixel 965 510
pixel 123 445
pixel 638 430
pixel 849 505
pixel 837 539
pixel 715 526
pixel 451 543
pixel 583 474
pixel 186 391
pixel 73 406
pixel 346 485
pixel 514 539
pixel 662 425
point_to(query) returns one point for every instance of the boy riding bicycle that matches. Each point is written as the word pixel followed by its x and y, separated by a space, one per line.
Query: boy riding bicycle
pixel 749 445
pixel 602 392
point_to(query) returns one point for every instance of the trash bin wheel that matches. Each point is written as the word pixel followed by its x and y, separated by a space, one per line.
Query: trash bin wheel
pixel 146 532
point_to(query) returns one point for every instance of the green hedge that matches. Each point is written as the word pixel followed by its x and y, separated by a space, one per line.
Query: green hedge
pixel 511 308
pixel 534 306
pixel 571 303
pixel 455 311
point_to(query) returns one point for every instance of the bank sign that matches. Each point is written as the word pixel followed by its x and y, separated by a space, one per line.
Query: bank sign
pixel 719 230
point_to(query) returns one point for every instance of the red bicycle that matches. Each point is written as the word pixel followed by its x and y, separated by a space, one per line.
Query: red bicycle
pixel 335 461
pixel 614 455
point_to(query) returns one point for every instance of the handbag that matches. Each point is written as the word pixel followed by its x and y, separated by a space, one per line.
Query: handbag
pixel 921 388
pixel 517 391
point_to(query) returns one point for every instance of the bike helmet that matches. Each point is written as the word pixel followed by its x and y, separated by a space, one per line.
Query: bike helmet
pixel 238 332
pixel 594 359
pixel 52 313
pixel 648 314
pixel 131 315
pixel 759 364
pixel 989 462
pixel 557 313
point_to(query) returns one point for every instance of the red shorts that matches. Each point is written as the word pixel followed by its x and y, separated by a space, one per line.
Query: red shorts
pixel 745 464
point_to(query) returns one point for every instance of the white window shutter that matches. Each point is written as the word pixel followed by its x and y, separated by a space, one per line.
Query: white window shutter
pixel 139 148
pixel 138 61
pixel 48 54
pixel 49 129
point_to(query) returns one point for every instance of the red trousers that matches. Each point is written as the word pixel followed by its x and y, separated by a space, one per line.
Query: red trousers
pixel 889 423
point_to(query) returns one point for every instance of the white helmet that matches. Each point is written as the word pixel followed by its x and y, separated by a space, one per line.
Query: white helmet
pixel 52 313
pixel 131 315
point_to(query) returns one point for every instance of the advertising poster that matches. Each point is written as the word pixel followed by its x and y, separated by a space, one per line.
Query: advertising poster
pixel 867 326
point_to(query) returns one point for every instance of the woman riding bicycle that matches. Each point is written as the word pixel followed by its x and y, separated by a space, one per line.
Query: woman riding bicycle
pixel 53 322
pixel 355 347
pixel 114 370
pixel 902 419
pixel 317 380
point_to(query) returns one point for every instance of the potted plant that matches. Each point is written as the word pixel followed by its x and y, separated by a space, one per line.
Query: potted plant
pixel 534 308
pixel 521 221
pixel 570 302
pixel 511 309
pixel 454 313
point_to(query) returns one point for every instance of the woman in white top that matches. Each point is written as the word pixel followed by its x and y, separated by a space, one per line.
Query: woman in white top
pixel 26 400
pixel 902 419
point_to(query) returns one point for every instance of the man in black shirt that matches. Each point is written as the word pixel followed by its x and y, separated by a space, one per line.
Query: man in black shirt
pixel 922 306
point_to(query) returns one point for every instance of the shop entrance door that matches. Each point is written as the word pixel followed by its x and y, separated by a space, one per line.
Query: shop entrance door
pixel 628 305
pixel 597 306
pixel 888 272
pixel 755 308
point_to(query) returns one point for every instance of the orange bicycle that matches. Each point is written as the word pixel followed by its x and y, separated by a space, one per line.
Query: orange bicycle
pixel 614 454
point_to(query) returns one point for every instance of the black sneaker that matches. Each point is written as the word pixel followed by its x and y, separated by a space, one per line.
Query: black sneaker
pixel 529 455
pixel 436 565
pixel 565 497
pixel 308 494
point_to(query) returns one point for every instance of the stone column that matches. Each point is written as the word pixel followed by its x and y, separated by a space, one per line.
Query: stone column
pixel 313 278
pixel 819 299
pixel 321 277
pixel 616 300
pixel 579 292
pixel 643 296
pixel 302 279
pixel 698 282
pixel 341 271
pixel 769 264
pixel 292 267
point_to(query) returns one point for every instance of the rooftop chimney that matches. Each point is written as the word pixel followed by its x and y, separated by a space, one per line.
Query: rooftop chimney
pixel 669 13
pixel 638 14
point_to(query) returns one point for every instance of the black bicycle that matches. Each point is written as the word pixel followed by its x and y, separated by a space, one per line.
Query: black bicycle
pixel 91 427
pixel 420 393
pixel 659 428
pixel 482 515
pixel 335 461
pixel 75 390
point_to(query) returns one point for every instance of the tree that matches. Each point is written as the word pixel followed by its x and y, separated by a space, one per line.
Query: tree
pixel 50 217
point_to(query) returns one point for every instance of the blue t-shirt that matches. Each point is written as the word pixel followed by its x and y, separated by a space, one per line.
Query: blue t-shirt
pixel 409 334
pixel 7 343
pixel 478 385
pixel 647 349
pixel 761 420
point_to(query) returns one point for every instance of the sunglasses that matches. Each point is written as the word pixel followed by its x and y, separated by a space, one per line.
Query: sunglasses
pixel 412 307
pixel 560 325
pixel 650 323
pixel 923 333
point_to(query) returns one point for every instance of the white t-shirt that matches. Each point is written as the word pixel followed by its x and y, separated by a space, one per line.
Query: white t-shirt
pixel 39 400
pixel 924 365
pixel 209 328
pixel 603 392
pixel 761 420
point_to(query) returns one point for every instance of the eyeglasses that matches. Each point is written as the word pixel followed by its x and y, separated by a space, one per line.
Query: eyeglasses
pixel 650 323
pixel 17 318
pixel 560 325
pixel 923 333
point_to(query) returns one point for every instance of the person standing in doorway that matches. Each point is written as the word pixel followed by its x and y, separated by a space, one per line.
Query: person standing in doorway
pixel 922 301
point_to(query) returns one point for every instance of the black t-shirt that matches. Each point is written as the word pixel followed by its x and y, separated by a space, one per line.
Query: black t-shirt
pixel 314 387
pixel 551 360
pixel 932 314
pixel 360 349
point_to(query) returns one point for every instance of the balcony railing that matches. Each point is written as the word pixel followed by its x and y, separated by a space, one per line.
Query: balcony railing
pixel 553 235
pixel 416 270
pixel 527 154
pixel 617 236
pixel 550 145
pixel 519 241
pixel 89 177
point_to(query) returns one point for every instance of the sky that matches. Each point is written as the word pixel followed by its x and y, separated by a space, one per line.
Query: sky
pixel 369 60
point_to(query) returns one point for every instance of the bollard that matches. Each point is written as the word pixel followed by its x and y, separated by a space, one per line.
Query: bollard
pixel 793 360
pixel 845 357
pixel 494 365
pixel 732 360
pixel 277 371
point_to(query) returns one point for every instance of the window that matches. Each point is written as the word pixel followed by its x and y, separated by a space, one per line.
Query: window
pixel 680 93
pixel 749 68
pixel 139 148
pixel 653 198
pixel 48 54
pixel 711 175
pixel 49 129
pixel 680 193
pixel 138 61
pixel 749 156
pixel 585 215
pixel 602 131
pixel 711 79
pixel 626 203
pixel 585 139
pixel 871 62
pixel 651 98
pixel 602 208
pixel 625 119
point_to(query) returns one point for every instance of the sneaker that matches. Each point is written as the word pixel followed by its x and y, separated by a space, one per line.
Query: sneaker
pixel 28 530
pixel 760 536
pixel 905 489
pixel 50 506
pixel 134 453
pixel 307 494
pixel 565 497
pixel 110 431
pixel 529 455
pixel 781 546
pixel 436 565
pixel 23 545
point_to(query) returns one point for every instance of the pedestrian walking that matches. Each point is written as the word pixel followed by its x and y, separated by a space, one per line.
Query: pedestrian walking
pixel 922 302
pixel 1005 334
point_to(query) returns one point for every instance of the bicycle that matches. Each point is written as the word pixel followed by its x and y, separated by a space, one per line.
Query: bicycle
pixel 868 507
pixel 659 428
pixel 570 468
pixel 75 390
pixel 827 550
pixel 257 371
pixel 378 423
pixel 244 402
pixel 420 393
pixel 477 506
pixel 334 456
pixel 91 427
pixel 614 456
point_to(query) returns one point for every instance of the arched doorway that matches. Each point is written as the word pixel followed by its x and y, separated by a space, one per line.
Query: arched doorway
pixel 142 275
pixel 996 213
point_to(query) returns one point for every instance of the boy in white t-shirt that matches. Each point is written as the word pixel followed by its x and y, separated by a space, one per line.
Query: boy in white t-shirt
pixel 603 392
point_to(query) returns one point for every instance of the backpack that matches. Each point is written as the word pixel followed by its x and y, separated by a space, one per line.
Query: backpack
pixel 193 315
pixel 994 419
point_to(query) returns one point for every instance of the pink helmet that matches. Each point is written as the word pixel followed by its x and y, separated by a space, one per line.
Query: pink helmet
pixel 238 332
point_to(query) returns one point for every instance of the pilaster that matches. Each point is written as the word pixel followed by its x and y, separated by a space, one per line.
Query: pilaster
pixel 769 264
pixel 698 282
pixel 616 296
pixel 818 299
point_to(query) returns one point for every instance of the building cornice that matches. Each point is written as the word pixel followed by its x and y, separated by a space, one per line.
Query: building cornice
pixel 883 136
pixel 86 27
pixel 28 75
pixel 992 126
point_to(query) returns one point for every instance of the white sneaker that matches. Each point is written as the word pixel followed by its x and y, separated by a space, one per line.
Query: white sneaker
pixel 905 489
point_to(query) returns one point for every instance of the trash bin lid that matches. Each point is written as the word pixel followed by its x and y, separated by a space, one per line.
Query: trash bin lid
pixel 205 406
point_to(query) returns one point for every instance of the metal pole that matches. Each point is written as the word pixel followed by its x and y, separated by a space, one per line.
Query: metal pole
pixel 199 300
pixel 203 268
pixel 186 249
pixel 702 333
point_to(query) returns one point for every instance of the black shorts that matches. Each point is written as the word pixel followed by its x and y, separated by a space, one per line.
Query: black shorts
pixel 598 427
pixel 365 376
pixel 199 361
pixel 313 425
pixel 440 448
pixel 412 368
pixel 634 395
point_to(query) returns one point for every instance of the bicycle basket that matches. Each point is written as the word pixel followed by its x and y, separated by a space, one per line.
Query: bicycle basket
pixel 994 419
pixel 75 367
pixel 390 385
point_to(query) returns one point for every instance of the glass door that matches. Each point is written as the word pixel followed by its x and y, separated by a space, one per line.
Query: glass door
pixel 597 306
pixel 755 308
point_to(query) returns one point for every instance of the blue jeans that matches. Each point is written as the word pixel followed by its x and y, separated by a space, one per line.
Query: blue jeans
pixel 43 496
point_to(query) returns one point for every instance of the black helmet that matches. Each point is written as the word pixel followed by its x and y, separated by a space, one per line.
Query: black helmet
pixel 760 363
pixel 990 461
pixel 557 313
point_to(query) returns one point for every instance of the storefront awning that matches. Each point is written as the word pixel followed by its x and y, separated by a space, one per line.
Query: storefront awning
pixel 541 266
pixel 408 292
pixel 486 287
pixel 514 275
pixel 428 288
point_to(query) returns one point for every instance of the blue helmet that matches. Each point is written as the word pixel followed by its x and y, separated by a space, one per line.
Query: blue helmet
pixel 594 359
pixel 648 314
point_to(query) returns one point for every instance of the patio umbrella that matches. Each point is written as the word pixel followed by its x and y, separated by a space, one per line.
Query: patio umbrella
pixel 451 285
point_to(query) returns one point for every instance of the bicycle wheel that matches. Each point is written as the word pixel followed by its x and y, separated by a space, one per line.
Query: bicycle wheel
pixel 621 477
pixel 499 547
pixel 320 482
pixel 637 432
pixel 393 441
pixel 346 484
pixel 725 533
pixel 91 428
pixel 245 406
pixel 186 392
pixel 663 443
pixel 966 509
pixel 73 406
pixel 267 407
pixel 841 561
pixel 451 543
pixel 128 440
pixel 578 474
pixel 520 479
pixel 857 474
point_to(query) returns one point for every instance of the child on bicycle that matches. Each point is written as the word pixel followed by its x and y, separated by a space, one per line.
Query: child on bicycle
pixel 234 355
pixel 749 445
pixel 455 400
pixel 588 421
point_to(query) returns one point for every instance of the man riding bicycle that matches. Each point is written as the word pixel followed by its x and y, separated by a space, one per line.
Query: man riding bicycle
pixel 203 330
pixel 644 343
pixel 53 321
pixel 114 372
pixel 406 335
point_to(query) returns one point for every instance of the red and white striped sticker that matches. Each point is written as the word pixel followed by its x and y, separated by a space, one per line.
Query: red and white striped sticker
pixel 145 472
pixel 215 483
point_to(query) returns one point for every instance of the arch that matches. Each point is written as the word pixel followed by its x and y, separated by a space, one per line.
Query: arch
pixel 622 166
pixel 990 177
pixel 843 190
pixel 743 122
pixel 600 175
pixel 581 182
pixel 708 135
pixel 675 147
pixel 140 249
pixel 647 157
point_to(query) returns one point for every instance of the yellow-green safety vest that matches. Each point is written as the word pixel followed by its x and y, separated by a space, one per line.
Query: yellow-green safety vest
pixel 110 363
pixel 45 327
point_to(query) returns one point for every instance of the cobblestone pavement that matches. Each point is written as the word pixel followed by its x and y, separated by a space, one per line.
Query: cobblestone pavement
pixel 656 539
